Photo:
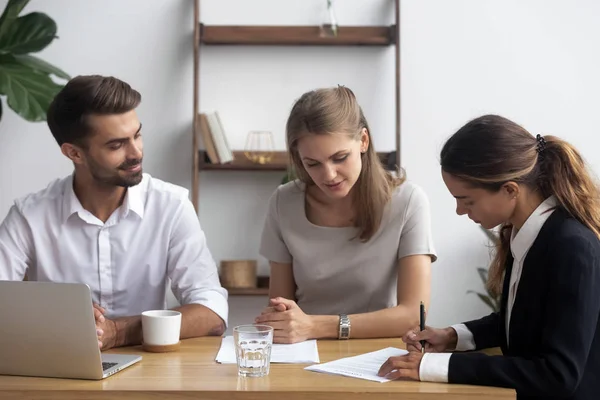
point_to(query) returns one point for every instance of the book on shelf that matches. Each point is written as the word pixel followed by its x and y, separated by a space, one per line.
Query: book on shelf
pixel 209 144
pixel 214 138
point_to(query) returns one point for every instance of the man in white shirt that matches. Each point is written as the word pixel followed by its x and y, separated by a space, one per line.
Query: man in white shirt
pixel 122 232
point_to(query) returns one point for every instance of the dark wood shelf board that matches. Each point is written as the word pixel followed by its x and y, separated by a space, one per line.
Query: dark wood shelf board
pixel 279 162
pixel 261 289
pixel 296 35
pixel 248 291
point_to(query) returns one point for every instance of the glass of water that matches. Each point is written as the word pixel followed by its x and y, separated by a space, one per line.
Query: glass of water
pixel 253 349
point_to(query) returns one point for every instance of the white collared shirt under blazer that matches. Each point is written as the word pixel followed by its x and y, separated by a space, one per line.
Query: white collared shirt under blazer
pixel 152 239
pixel 434 366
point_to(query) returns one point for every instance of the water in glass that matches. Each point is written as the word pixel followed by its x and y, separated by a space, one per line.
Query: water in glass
pixel 253 349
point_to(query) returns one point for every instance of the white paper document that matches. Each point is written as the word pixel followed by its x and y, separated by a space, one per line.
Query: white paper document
pixel 298 353
pixel 364 366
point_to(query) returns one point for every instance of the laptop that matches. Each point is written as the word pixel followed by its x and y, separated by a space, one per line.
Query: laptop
pixel 48 330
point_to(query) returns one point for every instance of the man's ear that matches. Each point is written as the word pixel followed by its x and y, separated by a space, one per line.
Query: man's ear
pixel 511 189
pixel 73 153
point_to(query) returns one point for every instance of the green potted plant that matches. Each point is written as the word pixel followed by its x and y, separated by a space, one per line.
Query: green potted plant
pixel 289 176
pixel 489 298
pixel 26 80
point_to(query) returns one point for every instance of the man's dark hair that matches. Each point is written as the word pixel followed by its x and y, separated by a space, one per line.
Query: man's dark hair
pixel 87 95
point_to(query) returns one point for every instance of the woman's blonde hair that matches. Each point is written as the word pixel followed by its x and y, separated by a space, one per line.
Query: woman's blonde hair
pixel 334 111
pixel 490 151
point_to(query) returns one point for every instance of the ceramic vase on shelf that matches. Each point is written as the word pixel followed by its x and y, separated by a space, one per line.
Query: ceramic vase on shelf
pixel 329 25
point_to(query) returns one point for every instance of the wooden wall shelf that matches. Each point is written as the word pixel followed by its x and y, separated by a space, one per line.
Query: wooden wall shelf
pixel 240 162
pixel 248 291
pixel 261 289
pixel 278 163
pixel 296 35
pixel 283 35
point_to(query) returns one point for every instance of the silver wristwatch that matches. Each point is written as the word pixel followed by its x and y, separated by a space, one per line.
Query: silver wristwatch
pixel 344 329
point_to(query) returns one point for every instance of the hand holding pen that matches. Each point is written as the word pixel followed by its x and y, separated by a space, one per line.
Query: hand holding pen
pixel 418 340
pixel 435 340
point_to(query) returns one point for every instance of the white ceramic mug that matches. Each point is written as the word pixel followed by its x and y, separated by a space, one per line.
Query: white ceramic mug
pixel 161 327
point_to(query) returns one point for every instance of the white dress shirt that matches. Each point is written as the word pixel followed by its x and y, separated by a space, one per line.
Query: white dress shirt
pixel 434 366
pixel 154 237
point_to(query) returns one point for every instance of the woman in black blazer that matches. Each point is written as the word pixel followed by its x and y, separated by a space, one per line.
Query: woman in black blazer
pixel 547 267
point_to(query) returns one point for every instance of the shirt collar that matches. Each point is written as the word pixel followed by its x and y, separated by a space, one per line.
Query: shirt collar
pixel 133 200
pixel 521 240
pixel 71 204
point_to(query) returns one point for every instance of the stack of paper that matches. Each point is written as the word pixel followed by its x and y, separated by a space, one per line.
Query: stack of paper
pixel 364 366
pixel 297 353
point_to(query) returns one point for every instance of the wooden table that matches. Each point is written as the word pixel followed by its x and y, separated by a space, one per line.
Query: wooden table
pixel 192 373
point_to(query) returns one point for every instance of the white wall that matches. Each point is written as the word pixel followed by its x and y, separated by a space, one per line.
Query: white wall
pixel 530 60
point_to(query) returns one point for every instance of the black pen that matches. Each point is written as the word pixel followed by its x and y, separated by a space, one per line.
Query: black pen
pixel 422 325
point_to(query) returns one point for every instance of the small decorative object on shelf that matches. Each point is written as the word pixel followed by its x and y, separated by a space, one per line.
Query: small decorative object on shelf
pixel 330 28
pixel 238 273
pixel 259 147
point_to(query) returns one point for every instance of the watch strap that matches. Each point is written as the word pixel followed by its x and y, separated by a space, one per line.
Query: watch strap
pixel 344 327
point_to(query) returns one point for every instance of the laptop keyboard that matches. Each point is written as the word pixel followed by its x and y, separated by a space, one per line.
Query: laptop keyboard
pixel 107 365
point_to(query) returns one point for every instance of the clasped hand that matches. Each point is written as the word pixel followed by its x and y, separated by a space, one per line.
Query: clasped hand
pixel 290 324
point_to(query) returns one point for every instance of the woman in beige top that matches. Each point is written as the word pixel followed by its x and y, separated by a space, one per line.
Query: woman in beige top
pixel 349 244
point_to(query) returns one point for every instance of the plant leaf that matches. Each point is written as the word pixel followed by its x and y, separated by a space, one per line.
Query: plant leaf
pixel 10 14
pixel 483 274
pixel 42 66
pixel 496 303
pixel 28 92
pixel 28 34
pixel 492 236
pixel 489 302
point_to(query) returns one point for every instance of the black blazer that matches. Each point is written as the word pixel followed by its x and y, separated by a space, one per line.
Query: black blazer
pixel 554 346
